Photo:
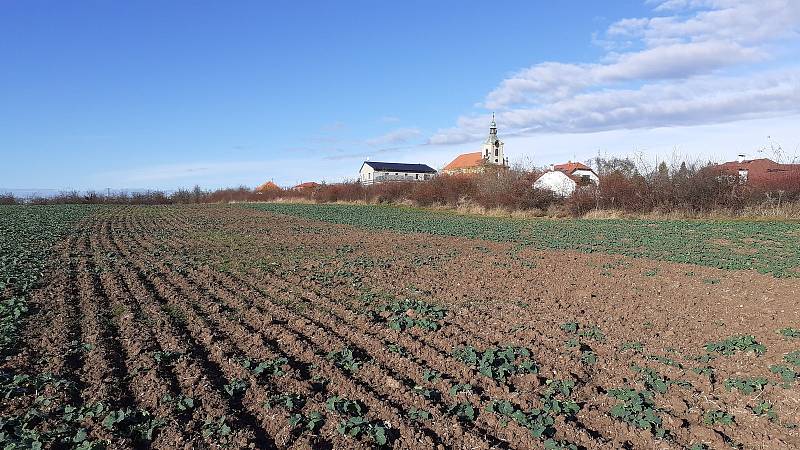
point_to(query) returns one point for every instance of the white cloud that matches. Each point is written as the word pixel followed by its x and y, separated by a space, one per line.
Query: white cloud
pixel 695 62
pixel 398 136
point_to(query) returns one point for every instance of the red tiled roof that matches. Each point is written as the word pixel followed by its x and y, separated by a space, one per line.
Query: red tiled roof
pixel 465 161
pixel 762 171
pixel 268 186
pixel 570 167
pixel 306 185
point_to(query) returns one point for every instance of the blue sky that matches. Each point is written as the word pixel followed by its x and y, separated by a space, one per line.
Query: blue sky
pixel 97 94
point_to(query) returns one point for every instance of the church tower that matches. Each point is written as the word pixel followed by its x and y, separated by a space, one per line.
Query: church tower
pixel 492 150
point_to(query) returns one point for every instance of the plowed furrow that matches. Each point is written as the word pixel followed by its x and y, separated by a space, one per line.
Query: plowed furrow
pixel 314 355
pixel 318 330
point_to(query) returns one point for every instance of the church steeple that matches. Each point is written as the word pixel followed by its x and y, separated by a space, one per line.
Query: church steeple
pixel 492 150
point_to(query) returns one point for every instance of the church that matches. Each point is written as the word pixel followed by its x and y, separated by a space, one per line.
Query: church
pixel 490 156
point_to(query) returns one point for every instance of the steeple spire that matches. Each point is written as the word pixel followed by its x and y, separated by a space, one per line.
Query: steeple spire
pixel 493 126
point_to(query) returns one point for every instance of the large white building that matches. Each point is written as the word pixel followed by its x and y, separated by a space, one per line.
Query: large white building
pixel 379 172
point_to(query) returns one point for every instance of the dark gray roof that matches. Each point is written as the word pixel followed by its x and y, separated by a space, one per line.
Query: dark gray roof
pixel 400 167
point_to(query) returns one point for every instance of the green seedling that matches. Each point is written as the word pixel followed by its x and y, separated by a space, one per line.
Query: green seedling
pixel 341 405
pixel 764 408
pixel 637 346
pixel 348 359
pixel 312 422
pixel 588 357
pixel 742 343
pixel 457 388
pixel 718 417
pixel 793 358
pixel 236 387
pixel 464 411
pixel 419 415
pixel 790 332
pixel 431 376
pixel 273 367
pixel 138 424
pixel 638 409
pixel 745 385
pixel 786 373
pixel 181 403
pixel 410 313
pixel 395 348
pixel 290 402
pixel 497 363
pixel 217 430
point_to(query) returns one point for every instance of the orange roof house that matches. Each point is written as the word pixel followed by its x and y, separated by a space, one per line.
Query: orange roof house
pixel 570 167
pixel 268 186
pixel 762 173
pixel 466 163
pixel 306 185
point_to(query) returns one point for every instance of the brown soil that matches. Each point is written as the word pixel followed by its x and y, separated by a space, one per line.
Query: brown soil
pixel 219 286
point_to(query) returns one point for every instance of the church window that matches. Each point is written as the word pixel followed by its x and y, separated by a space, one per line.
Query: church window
pixel 496 152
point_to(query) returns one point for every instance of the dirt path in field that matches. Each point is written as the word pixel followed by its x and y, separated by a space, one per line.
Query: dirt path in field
pixel 246 313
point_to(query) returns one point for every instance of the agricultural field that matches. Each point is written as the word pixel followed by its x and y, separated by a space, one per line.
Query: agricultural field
pixel 308 326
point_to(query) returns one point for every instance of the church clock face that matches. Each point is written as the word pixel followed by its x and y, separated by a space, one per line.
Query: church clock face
pixel 497 143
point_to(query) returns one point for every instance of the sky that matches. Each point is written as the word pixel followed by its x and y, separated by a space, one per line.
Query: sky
pixel 162 95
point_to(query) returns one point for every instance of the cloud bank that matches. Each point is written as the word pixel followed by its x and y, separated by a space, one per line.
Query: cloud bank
pixel 693 62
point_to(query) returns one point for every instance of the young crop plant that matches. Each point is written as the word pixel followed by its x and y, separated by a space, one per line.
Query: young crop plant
pixel 555 398
pixel 635 346
pixel 741 343
pixel 764 408
pixel 396 348
pixel 463 411
pixel 409 313
pixel 290 402
pixel 431 376
pixel 166 358
pixel 793 358
pixel 787 374
pixel 235 388
pixel 497 363
pixel 341 405
pixel 652 380
pixel 458 388
pixel 217 430
pixel 181 404
pixel 638 409
pixel 418 415
pixel 588 357
pixel 311 422
pixel 745 385
pixel 272 367
pixel 593 332
pixel 790 332
pixel 355 424
pixel 348 359
pixel 718 417
pixel 137 424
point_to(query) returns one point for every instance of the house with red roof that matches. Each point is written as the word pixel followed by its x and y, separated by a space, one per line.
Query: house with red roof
pixel 308 185
pixel 563 179
pixel 762 173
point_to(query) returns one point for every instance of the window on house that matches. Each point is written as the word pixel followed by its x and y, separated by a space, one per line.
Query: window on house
pixel 584 178
pixel 416 175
